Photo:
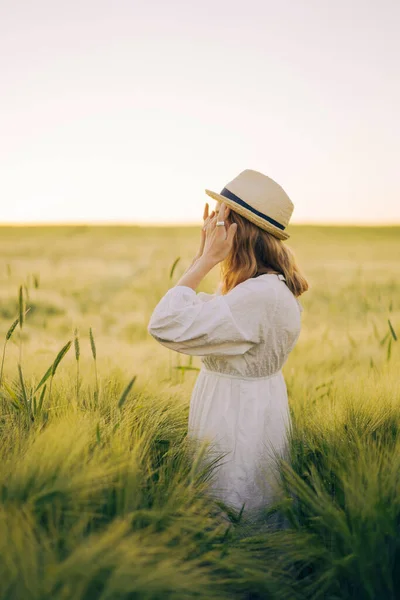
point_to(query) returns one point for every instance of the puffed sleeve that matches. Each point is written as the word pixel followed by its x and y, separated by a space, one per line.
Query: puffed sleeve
pixel 212 324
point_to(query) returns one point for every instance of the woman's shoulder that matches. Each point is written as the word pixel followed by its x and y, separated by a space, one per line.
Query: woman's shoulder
pixel 255 291
pixel 261 283
pixel 268 290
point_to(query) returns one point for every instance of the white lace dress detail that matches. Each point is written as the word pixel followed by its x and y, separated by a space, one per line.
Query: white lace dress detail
pixel 239 401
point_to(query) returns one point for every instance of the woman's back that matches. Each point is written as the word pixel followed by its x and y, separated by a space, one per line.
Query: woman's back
pixel 270 307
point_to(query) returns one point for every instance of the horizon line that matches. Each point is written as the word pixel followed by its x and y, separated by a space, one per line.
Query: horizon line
pixel 185 224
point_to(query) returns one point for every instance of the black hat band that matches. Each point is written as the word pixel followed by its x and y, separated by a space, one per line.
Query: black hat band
pixel 225 192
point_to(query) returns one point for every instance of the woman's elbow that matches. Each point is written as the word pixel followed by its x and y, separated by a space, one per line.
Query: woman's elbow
pixel 159 332
pixel 154 329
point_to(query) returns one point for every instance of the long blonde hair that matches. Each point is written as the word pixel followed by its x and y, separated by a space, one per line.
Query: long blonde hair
pixel 254 252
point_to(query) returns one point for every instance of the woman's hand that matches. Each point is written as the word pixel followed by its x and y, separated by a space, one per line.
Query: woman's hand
pixel 206 220
pixel 218 239
pixel 217 245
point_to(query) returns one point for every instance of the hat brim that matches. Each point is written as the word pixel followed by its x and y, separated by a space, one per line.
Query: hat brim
pixel 244 212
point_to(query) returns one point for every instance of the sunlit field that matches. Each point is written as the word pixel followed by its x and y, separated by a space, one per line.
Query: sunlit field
pixel 101 494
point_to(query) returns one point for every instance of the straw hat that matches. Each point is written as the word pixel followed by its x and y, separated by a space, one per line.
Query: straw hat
pixel 260 199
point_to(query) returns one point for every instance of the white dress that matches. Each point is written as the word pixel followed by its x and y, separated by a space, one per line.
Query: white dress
pixel 239 401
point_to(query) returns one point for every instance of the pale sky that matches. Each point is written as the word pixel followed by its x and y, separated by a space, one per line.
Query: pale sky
pixel 125 111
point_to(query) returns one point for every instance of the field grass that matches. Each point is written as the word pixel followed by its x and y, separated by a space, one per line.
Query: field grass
pixel 102 495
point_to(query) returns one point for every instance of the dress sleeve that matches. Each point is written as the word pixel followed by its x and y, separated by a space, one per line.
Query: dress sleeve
pixel 228 324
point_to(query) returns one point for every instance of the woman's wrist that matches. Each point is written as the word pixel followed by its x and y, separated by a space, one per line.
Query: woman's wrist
pixel 207 260
pixel 194 261
pixel 196 258
pixel 197 271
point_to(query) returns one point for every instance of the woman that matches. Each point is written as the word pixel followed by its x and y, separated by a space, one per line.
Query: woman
pixel 244 334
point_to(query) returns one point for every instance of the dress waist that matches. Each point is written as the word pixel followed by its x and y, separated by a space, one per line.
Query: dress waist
pixel 229 376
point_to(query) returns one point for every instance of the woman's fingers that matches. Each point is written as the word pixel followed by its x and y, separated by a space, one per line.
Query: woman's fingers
pixel 221 212
pixel 206 214
pixel 221 217
pixel 218 243
pixel 208 220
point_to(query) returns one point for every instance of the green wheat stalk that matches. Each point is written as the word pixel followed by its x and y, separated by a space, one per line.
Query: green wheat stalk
pixel 392 331
pixel 125 393
pixel 24 395
pixel 77 355
pixel 8 336
pixel 21 306
pixel 94 354
pixel 389 350
pixel 38 408
pixel 53 368
pixel 171 273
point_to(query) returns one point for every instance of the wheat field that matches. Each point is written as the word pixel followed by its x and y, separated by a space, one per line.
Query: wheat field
pixel 101 494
